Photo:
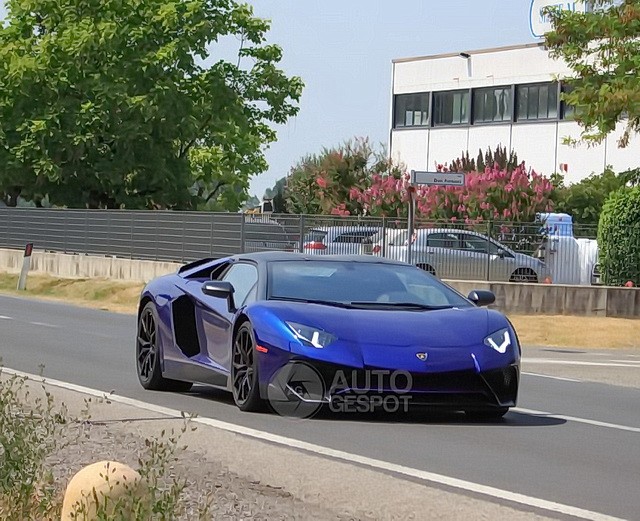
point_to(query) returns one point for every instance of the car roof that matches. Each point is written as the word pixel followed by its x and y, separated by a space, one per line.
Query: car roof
pixel 344 228
pixel 271 256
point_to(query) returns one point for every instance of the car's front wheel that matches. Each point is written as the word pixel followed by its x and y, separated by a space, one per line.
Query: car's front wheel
pixel 524 275
pixel 244 370
pixel 148 355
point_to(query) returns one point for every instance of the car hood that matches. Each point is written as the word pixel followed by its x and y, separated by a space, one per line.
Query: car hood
pixel 452 338
pixel 457 327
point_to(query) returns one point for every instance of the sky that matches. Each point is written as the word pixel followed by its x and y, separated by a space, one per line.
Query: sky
pixel 343 49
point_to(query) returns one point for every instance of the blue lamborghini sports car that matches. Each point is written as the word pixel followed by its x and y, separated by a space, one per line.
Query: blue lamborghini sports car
pixel 295 332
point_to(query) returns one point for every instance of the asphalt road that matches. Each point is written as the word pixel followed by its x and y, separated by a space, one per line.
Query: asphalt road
pixel 584 452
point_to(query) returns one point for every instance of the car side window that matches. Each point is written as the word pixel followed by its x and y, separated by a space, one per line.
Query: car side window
pixel 244 279
pixel 443 240
pixel 353 237
pixel 475 243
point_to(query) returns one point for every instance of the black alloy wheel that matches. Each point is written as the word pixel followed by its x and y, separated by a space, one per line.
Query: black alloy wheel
pixel 148 355
pixel 244 373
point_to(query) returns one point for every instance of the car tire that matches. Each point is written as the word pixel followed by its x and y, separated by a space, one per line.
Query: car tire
pixel 524 275
pixel 428 268
pixel 487 414
pixel 244 370
pixel 148 355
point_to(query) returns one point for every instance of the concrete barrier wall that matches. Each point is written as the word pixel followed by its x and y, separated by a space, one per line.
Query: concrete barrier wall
pixel 522 299
pixel 87 266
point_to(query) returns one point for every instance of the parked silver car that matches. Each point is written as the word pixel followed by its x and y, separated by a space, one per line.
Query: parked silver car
pixel 467 255
pixel 337 240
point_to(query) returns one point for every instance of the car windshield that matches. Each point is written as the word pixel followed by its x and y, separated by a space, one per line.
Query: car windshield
pixel 360 284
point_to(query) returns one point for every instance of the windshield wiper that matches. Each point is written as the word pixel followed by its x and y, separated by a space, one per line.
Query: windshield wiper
pixel 405 305
pixel 314 301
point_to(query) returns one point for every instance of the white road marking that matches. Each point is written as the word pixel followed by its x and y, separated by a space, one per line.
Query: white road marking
pixel 3 317
pixel 43 324
pixel 552 377
pixel 628 364
pixel 586 421
pixel 460 484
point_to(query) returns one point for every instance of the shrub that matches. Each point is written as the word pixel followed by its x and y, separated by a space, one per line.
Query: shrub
pixel 619 237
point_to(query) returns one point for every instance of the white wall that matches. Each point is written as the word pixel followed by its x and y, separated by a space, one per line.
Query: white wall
pixel 484 68
pixel 540 144
pixel 410 147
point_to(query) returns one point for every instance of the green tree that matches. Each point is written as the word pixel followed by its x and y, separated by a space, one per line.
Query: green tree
pixel 322 183
pixel 584 200
pixel 602 48
pixel 121 104
pixel 619 237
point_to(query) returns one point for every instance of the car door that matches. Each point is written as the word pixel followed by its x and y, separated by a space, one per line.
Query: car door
pixel 217 319
pixel 477 255
pixel 442 252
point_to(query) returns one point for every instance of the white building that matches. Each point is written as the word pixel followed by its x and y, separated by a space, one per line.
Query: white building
pixel 448 104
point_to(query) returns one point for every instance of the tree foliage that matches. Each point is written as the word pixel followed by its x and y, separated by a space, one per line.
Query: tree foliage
pixel 584 200
pixel 602 48
pixel 110 104
pixel 320 184
pixel 619 238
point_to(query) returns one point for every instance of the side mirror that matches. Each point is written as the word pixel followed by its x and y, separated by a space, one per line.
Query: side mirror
pixel 481 297
pixel 219 289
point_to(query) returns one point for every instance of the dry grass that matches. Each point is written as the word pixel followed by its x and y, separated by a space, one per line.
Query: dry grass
pixel 580 332
pixel 534 330
pixel 121 297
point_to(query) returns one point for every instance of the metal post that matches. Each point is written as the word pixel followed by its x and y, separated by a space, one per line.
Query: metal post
pixel 301 238
pixel 26 263
pixel 384 236
pixel 410 226
pixel 488 250
pixel 242 221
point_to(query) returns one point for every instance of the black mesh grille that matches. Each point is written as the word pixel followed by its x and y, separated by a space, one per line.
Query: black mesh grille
pixel 503 383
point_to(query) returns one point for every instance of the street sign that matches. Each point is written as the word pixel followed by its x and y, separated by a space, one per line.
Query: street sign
pixel 437 178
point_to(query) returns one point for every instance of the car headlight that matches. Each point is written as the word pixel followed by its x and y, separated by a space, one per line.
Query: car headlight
pixel 311 336
pixel 500 340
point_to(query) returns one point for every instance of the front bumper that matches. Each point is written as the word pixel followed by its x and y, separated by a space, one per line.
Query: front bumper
pixel 453 390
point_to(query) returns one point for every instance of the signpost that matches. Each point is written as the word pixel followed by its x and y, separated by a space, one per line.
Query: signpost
pixel 429 179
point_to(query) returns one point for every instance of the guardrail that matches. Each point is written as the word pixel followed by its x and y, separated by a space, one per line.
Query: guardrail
pixel 492 251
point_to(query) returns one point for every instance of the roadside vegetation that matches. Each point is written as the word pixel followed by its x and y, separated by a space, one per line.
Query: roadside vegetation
pixel 34 427
pixel 536 330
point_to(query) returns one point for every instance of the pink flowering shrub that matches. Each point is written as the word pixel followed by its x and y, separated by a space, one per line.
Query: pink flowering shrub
pixel 493 195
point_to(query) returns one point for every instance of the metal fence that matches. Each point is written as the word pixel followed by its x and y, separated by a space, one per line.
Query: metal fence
pixel 486 251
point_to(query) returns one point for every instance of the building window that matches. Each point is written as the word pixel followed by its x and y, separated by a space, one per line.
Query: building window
pixel 537 101
pixel 492 104
pixel 451 108
pixel 411 110
pixel 568 111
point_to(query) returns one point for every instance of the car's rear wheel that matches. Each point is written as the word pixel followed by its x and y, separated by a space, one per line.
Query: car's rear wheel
pixel 148 355
pixel 487 414
pixel 244 370
pixel 524 275
pixel 428 268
